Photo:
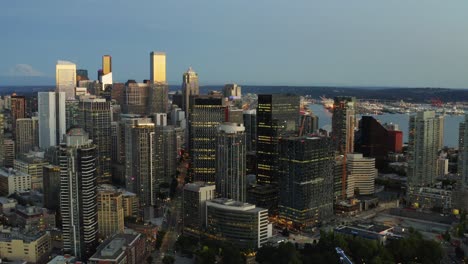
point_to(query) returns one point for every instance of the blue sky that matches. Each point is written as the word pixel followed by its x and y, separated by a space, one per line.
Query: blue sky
pixel 277 42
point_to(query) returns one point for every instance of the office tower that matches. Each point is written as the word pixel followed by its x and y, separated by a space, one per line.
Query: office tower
pixel 65 78
pixel 51 187
pixel 250 124
pixel 241 224
pixel 118 152
pixel 158 101
pixel 423 146
pixel 117 93
pixel 135 98
pixel 81 75
pixel 343 124
pixel 18 110
pixel 231 180
pixel 195 196
pixel 277 116
pixel 206 113
pixel 305 180
pixel 189 88
pixel 106 78
pixel 140 161
pixel 463 151
pixel 232 91
pixel 52 124
pixel 169 154
pixel 31 164
pixel 157 67
pixel 8 153
pixel 376 141
pixel 361 175
pixel 78 194
pixel 27 134
pixel 110 211
pixel 178 117
pixel 2 138
pixel 95 119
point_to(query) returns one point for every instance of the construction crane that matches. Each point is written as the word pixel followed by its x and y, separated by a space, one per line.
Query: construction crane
pixel 343 258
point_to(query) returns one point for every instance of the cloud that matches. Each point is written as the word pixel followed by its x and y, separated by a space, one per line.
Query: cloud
pixel 24 70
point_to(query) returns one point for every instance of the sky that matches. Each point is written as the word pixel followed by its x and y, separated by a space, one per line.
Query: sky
pixel 406 43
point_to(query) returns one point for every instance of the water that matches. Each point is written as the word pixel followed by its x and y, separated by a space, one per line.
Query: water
pixel 450 126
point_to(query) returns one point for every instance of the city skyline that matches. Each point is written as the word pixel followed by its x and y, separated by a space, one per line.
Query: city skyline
pixel 306 43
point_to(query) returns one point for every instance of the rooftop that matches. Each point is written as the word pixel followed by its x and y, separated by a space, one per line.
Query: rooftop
pixel 4 172
pixel 113 247
pixel 230 204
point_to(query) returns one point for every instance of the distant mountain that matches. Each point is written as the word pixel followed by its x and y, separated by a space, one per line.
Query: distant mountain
pixel 406 94
pixel 26 81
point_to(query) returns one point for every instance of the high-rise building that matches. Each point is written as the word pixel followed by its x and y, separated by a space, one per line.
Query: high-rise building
pixel 250 124
pixel 361 174
pixel 140 174
pixel 27 134
pixel 65 78
pixel 135 98
pixel 95 119
pixel 195 196
pixel 343 124
pixel 158 101
pixel 277 116
pixel 239 223
pixel 18 110
pixel 423 146
pixel 463 151
pixel 306 180
pixel 231 180
pixel 189 87
pixel 51 186
pixel 376 141
pixel 206 113
pixel 8 153
pixel 310 123
pixel 106 78
pixel 2 138
pixel 52 124
pixel 110 211
pixel 72 114
pixel 129 248
pixel 81 75
pixel 157 67
pixel 78 194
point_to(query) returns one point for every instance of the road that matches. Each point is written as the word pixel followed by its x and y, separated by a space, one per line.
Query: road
pixel 172 223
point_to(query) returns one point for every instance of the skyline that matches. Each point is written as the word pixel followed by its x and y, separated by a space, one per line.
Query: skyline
pixel 363 43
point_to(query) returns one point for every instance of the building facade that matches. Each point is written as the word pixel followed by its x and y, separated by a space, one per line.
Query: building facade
pixel 425 129
pixel 65 78
pixel 343 124
pixel 110 211
pixel 306 180
pixel 195 196
pixel 78 194
pixel 27 134
pixel 52 121
pixel 231 179
pixel 190 87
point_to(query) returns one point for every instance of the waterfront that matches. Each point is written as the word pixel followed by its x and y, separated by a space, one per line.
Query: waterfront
pixel 450 126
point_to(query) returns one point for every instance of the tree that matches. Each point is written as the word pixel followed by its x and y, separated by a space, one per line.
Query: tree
pixel 231 255
pixel 168 259
pixel 149 260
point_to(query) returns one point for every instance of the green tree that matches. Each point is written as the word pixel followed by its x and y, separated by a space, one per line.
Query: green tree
pixel 168 259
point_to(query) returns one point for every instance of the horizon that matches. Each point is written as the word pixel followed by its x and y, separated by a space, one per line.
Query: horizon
pixel 407 44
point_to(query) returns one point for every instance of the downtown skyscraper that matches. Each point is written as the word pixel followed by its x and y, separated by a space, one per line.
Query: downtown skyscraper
pixel 78 194
pixel 277 116
pixel 158 88
pixel 95 119
pixel 65 78
pixel 52 125
pixel 306 180
pixel 231 179
pixel 206 113
pixel 190 87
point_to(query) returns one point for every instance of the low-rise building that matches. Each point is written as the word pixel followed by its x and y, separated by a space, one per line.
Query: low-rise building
pixel 430 198
pixel 239 223
pixel 119 249
pixel 16 244
pixel 375 232
pixel 7 205
pixel 65 259
pixel 34 218
pixel 12 181
pixel 33 165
